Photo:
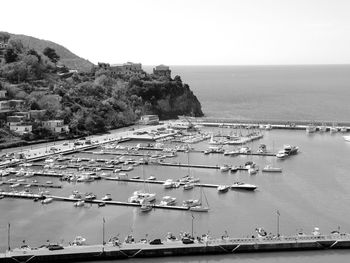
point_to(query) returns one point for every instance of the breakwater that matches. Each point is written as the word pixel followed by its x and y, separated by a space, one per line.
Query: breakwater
pixel 199 246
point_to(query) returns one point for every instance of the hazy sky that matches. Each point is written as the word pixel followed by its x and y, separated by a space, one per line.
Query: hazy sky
pixel 189 32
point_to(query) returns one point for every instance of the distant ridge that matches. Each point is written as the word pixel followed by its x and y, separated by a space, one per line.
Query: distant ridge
pixel 66 57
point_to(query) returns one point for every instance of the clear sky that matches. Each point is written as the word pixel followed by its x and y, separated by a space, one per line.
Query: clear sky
pixel 189 32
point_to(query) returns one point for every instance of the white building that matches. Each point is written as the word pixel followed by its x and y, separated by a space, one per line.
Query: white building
pixel 56 126
pixel 149 119
pixel 21 128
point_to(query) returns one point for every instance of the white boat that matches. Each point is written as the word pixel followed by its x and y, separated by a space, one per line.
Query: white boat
pixel 79 203
pixel 214 142
pixel 75 195
pixel 225 168
pixel 268 127
pixel 14 185
pixel 140 196
pixel 107 197
pixel 152 178
pixel 269 168
pixel 168 201
pixel 223 188
pixel 188 186
pixel 281 154
pixel 201 207
pixel 79 241
pixel 191 202
pixel 333 129
pixel 343 129
pixel 252 170
pixel 311 128
pixel 322 128
pixel 245 150
pixel 243 186
pixel 346 138
pixel 47 200
pixel 146 207
pixel 169 183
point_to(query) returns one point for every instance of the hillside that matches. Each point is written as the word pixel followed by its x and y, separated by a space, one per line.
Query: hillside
pixel 67 58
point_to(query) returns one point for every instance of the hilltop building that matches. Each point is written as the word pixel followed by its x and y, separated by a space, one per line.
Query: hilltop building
pixel 149 119
pixel 128 69
pixel 162 71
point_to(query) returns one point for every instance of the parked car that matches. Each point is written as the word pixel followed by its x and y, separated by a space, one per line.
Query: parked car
pixel 156 241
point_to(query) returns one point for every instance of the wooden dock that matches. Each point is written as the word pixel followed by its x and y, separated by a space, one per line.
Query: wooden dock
pixel 73 200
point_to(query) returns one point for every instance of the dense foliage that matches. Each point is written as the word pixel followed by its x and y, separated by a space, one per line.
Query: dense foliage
pixel 94 102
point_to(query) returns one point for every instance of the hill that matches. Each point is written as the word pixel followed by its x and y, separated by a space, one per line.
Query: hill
pixel 67 58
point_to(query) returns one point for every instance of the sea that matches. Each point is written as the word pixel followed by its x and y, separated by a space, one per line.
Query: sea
pixel 312 191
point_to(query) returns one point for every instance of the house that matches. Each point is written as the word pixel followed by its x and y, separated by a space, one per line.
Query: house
pixel 56 126
pixel 21 128
pixel 16 104
pixel 3 94
pixel 4 105
pixel 149 119
pixel 162 71
pixel 15 120
pixel 127 69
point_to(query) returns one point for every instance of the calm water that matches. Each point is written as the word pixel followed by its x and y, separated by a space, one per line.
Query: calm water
pixel 313 189
pixel 271 92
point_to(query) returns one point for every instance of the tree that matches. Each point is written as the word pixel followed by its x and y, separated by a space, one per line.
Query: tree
pixel 4 36
pixel 51 54
pixel 34 53
pixel 10 55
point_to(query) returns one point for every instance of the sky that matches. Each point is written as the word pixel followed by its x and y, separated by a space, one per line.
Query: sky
pixel 189 32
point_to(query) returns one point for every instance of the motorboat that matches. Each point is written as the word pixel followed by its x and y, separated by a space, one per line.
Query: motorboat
pixel 223 188
pixel 245 150
pixel 75 195
pixel 107 197
pixel 188 186
pixel 101 204
pixel 262 149
pixel 140 196
pixel 225 168
pixel 168 201
pixel 47 200
pixel 146 207
pixel 311 128
pixel 79 241
pixel 281 154
pixel 152 178
pixel 90 196
pixel 191 202
pixel 79 203
pixel 343 129
pixel 169 183
pixel 333 129
pixel 269 168
pixel 346 138
pixel 234 169
pixel 243 186
pixel 290 150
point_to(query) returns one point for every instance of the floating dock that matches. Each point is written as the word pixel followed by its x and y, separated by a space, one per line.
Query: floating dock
pixel 176 248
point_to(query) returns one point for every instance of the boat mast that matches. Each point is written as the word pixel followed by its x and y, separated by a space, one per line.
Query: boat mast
pixel 8 237
pixel 192 224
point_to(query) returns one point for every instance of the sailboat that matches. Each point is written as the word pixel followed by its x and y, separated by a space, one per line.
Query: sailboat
pixel 141 195
pixel 188 185
pixel 269 168
pixel 201 207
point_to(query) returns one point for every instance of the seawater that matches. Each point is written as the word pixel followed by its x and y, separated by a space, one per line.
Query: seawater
pixel 271 92
pixel 313 189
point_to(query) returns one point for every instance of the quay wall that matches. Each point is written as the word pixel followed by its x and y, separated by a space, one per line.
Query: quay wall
pixel 115 253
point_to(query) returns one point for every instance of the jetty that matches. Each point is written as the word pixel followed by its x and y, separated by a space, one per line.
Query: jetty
pixel 200 246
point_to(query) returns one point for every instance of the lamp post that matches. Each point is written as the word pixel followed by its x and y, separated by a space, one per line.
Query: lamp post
pixel 192 225
pixel 278 223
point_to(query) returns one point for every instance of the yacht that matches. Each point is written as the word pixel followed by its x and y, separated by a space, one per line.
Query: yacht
pixel 243 186
pixel 343 129
pixel 245 149
pixel 223 188
pixel 188 186
pixel 75 195
pixel 152 178
pixel 79 203
pixel 269 168
pixel 146 207
pixel 90 196
pixel 47 200
pixel 311 128
pixel 281 154
pixel 169 183
pixel 107 197
pixel 191 202
pixel 139 196
pixel 346 138
pixel 224 168
pixel 290 150
pixel 333 129
pixel 168 201
pixel 79 241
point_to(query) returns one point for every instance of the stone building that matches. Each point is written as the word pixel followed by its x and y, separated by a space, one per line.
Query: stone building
pixel 162 71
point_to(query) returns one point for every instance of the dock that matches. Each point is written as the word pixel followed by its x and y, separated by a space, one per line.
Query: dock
pixel 73 200
pixel 203 246
pixel 32 184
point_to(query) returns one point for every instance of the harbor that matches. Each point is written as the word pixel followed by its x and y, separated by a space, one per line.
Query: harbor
pixel 122 166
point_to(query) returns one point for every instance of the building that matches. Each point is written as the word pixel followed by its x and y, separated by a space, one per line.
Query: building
pixel 21 128
pixel 3 94
pixel 4 105
pixel 56 126
pixel 15 120
pixel 149 119
pixel 162 71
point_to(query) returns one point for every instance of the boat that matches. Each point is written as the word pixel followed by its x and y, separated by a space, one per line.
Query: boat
pixel 243 186
pixel 47 200
pixel 234 169
pixel 201 207
pixel 107 197
pixel 268 127
pixel 168 201
pixel 323 128
pixel 261 232
pixel 101 204
pixel 245 150
pixel 152 178
pixel 223 188
pixel 262 149
pixel 269 168
pixel 281 154
pixel 191 202
pixel 79 203
pixel 290 150
pixel 140 196
pixel 90 196
pixel 14 185
pixel 188 186
pixel 146 207
pixel 225 168
pixel 333 129
pixel 311 128
pixel 79 241
pixel 136 177
pixel 169 183
pixel 343 129
pixel 75 195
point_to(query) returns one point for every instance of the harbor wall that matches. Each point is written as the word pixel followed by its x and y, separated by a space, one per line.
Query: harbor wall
pixel 117 253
